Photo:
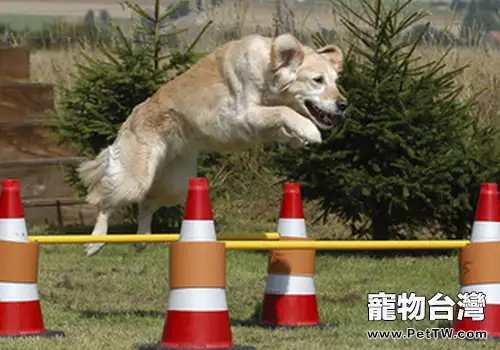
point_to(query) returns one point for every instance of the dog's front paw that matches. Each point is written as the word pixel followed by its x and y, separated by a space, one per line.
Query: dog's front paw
pixel 312 134
pixel 304 132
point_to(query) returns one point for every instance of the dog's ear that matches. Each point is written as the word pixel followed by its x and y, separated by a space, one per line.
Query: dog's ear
pixel 287 54
pixel 334 54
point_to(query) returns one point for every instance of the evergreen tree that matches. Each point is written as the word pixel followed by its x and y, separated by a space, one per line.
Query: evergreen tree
pixel 410 154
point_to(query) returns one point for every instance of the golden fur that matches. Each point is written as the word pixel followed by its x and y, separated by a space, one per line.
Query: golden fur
pixel 248 91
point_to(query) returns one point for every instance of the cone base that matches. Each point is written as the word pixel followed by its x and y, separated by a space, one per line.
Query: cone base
pixel 191 329
pixel 23 319
pixel 290 310
pixel 491 322
pixel 49 333
pixel 253 323
pixel 158 346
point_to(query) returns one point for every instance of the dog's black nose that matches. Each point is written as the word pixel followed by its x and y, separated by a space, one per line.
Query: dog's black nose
pixel 342 105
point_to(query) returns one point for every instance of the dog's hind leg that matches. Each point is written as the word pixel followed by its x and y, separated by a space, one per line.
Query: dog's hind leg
pixel 127 179
pixel 169 190
pixel 100 229
pixel 146 210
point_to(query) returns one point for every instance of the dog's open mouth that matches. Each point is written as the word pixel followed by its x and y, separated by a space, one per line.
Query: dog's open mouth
pixel 323 119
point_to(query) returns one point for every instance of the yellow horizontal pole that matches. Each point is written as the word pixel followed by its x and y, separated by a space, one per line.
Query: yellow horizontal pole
pixel 258 241
pixel 135 238
pixel 347 245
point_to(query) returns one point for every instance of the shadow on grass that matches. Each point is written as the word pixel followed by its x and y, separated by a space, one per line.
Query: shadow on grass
pixel 378 254
pixel 253 319
pixel 382 254
pixel 110 314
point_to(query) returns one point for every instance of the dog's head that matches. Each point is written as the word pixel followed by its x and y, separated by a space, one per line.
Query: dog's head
pixel 304 79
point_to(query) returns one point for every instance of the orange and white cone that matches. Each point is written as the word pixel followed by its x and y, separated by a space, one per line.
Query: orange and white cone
pixel 290 297
pixel 486 226
pixel 478 269
pixel 20 311
pixel 197 316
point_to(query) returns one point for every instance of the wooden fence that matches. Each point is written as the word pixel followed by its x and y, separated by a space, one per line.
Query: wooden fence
pixel 26 153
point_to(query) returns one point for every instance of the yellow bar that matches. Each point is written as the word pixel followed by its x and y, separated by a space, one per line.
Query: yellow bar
pixel 134 238
pixel 259 241
pixel 347 245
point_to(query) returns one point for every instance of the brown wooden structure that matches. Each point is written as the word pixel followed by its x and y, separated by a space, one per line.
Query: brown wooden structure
pixel 26 153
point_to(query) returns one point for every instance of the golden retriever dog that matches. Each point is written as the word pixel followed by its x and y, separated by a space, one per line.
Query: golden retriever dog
pixel 249 91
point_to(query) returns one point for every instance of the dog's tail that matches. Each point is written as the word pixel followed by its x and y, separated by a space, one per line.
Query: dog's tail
pixel 91 173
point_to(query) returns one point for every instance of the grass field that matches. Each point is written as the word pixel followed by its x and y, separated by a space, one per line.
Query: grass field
pixel 118 299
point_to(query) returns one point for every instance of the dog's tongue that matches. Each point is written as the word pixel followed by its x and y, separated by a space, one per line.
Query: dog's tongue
pixel 328 120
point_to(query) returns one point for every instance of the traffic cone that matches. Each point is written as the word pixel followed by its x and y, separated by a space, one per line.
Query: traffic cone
pixel 486 226
pixel 20 311
pixel 478 269
pixel 197 316
pixel 290 297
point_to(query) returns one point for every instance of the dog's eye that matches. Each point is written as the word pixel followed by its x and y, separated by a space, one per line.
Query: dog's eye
pixel 319 79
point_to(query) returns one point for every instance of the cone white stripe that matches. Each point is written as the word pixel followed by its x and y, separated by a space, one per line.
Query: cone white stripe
pixel 492 291
pixel 288 284
pixel 197 231
pixel 485 231
pixel 197 299
pixel 12 292
pixel 13 230
pixel 292 227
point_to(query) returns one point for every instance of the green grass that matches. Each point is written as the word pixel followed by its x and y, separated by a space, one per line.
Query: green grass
pixel 118 299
